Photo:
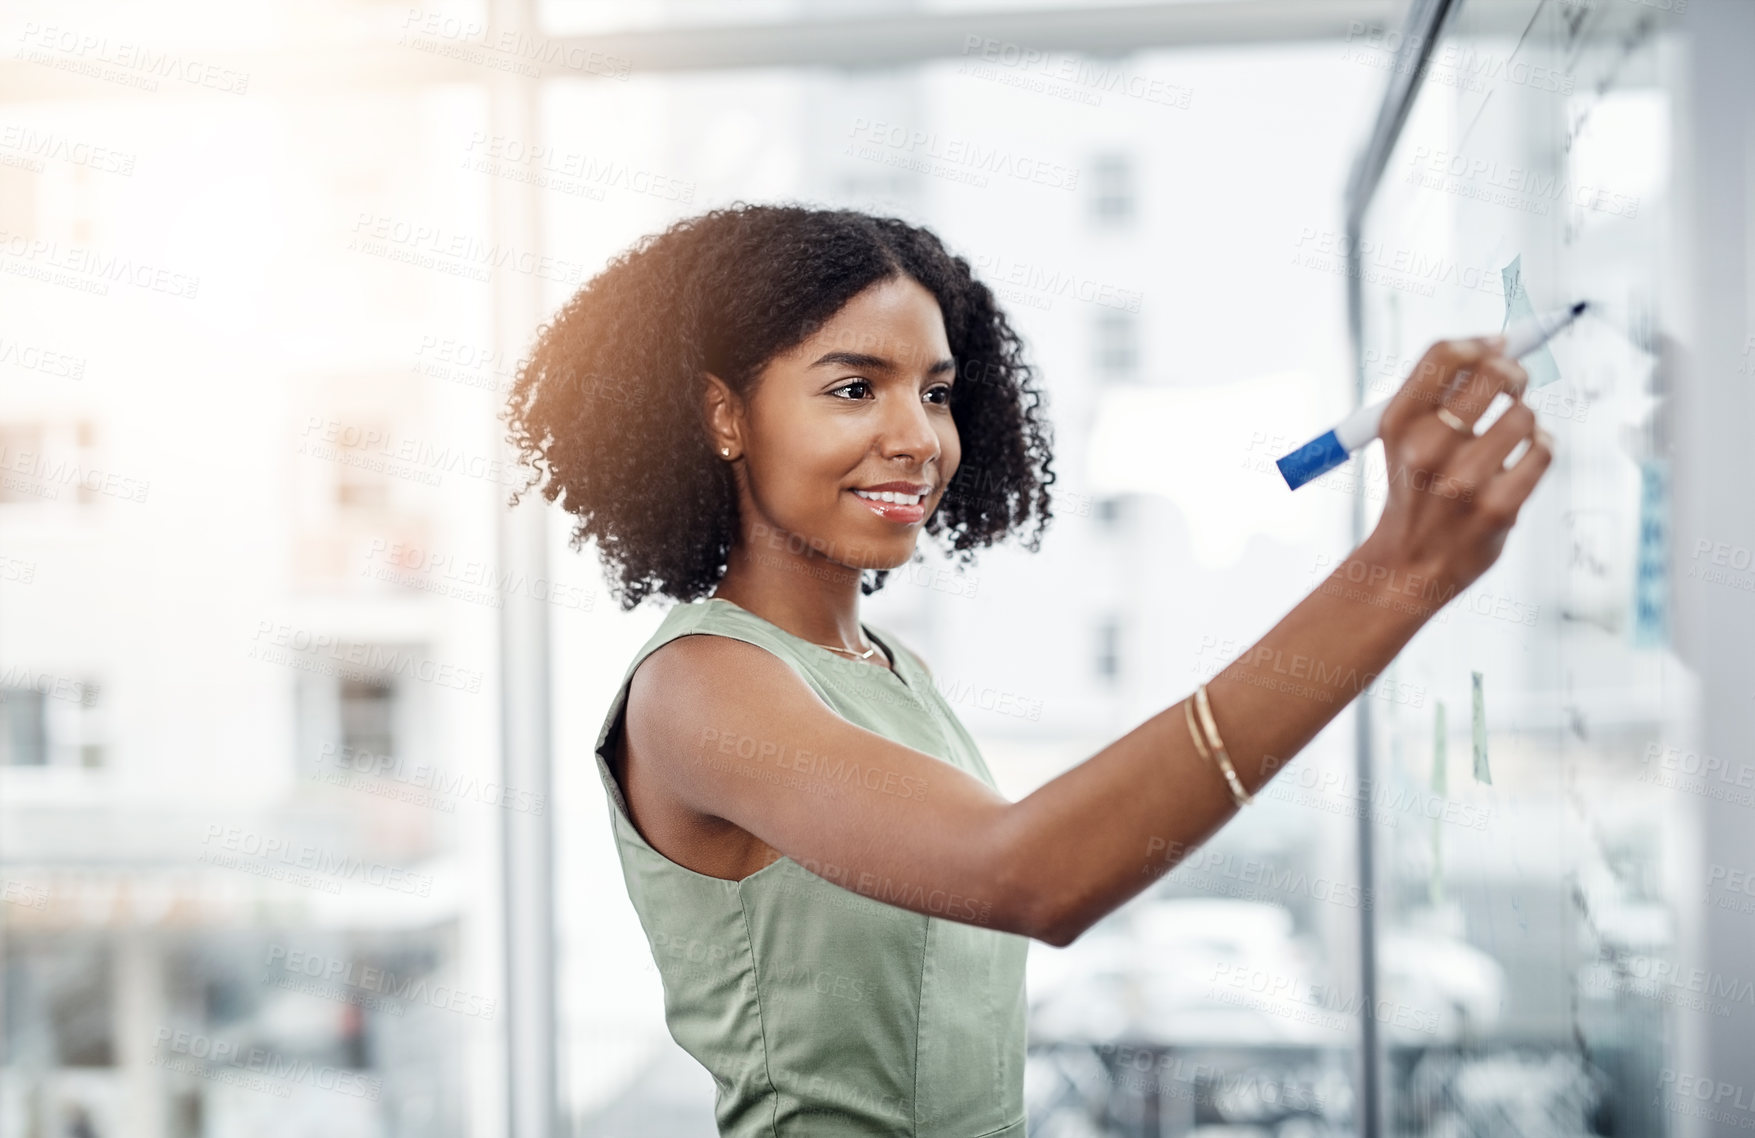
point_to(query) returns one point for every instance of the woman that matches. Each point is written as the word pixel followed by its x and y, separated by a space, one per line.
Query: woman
pixel 749 411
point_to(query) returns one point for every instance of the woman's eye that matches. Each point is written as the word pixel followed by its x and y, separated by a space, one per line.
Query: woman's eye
pixel 943 390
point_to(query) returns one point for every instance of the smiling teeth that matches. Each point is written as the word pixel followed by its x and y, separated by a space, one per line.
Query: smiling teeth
pixel 891 496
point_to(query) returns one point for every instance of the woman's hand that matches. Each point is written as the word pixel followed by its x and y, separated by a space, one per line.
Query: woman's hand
pixel 1451 499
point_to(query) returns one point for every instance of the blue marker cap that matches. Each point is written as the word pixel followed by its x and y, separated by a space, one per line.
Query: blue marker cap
pixel 1316 457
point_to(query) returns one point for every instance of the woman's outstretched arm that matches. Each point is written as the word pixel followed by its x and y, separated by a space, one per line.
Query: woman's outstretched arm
pixel 1096 835
pixel 1153 797
pixel 738 736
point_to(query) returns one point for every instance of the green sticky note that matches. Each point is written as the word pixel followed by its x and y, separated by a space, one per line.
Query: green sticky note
pixel 1435 883
pixel 1482 774
pixel 1539 363
pixel 1440 776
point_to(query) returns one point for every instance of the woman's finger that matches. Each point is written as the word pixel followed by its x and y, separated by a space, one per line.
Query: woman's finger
pixel 1470 395
pixel 1486 455
pixel 1426 384
pixel 1505 495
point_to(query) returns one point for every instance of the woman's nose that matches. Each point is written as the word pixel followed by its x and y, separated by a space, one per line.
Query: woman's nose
pixel 907 430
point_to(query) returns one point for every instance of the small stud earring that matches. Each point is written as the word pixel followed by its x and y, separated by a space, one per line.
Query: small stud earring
pixel 726 451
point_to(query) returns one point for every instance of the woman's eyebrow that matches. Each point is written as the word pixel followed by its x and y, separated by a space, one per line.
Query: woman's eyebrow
pixel 876 363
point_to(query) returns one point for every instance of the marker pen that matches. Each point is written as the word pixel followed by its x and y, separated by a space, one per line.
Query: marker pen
pixel 1327 451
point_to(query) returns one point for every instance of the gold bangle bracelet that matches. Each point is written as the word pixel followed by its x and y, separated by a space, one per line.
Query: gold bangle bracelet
pixel 1200 746
pixel 1238 794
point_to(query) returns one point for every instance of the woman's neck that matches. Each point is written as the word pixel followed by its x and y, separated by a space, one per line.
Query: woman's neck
pixel 809 596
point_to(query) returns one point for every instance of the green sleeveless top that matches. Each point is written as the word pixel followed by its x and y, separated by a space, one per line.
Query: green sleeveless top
pixel 820 1010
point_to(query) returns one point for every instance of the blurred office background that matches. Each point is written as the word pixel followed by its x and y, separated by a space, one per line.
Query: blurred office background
pixel 299 831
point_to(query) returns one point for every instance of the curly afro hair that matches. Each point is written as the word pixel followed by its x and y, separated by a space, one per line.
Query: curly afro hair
pixel 608 406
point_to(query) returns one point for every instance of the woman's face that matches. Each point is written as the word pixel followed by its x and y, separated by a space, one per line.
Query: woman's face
pixel 863 403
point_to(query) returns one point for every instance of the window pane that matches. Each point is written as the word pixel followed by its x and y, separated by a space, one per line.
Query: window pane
pixel 1532 815
pixel 23 741
pixel 249 884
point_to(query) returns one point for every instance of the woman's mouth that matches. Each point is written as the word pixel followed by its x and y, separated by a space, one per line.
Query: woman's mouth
pixel 906 509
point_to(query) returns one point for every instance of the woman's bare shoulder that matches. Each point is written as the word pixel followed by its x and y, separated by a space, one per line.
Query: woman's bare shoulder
pixel 690 666
pixel 694 685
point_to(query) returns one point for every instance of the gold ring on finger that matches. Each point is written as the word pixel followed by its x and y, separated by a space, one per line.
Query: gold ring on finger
pixel 1449 418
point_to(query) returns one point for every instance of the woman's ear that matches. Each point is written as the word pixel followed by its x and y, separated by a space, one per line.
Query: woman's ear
pixel 722 413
